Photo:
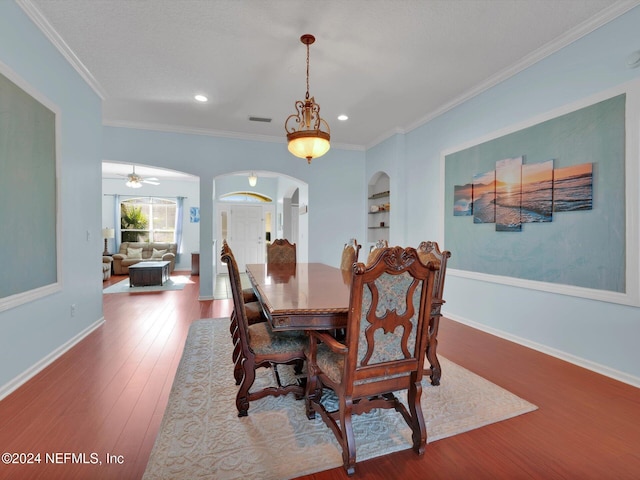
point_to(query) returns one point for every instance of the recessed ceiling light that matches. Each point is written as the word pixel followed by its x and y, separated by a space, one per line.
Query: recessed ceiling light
pixel 201 98
pixel 343 117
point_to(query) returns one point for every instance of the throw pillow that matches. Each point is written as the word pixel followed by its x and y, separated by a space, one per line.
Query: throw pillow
pixel 134 253
pixel 157 254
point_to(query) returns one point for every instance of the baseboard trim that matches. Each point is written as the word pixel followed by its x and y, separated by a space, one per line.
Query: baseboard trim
pixel 579 361
pixel 32 371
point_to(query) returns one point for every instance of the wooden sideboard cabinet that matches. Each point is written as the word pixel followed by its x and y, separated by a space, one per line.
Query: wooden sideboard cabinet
pixel 195 263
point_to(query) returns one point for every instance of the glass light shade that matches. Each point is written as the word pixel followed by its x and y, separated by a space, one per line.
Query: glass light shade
pixel 308 144
pixel 253 180
pixel 133 184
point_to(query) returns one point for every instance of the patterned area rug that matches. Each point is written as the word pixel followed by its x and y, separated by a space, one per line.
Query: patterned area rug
pixel 201 436
pixel 176 282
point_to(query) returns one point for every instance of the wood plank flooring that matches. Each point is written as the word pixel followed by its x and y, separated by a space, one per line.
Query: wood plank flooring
pixel 107 396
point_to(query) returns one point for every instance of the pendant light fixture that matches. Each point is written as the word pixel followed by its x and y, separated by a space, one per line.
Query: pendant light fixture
pixel 308 135
pixel 253 179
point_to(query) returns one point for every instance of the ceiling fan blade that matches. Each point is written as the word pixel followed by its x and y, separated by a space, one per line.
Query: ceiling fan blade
pixel 150 182
pixel 153 179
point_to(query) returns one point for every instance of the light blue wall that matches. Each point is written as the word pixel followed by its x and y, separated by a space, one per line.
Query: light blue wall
pixel 336 185
pixel 602 336
pixel 31 332
pixel 598 334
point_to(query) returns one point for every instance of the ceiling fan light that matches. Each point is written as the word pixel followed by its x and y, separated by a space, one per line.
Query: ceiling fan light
pixel 133 183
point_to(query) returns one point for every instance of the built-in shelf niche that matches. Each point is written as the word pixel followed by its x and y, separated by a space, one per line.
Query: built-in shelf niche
pixel 378 208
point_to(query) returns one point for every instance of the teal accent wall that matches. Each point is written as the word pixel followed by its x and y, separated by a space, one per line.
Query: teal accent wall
pixel 28 193
pixel 581 248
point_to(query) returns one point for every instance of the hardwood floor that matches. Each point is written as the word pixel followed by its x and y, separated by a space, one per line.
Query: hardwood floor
pixel 107 396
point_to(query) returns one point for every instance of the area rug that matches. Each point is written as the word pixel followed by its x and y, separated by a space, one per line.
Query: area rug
pixel 176 282
pixel 201 436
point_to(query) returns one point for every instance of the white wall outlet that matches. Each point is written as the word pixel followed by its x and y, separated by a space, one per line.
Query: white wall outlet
pixel 73 309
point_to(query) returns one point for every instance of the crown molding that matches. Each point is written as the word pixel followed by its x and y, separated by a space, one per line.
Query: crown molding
pixel 41 22
pixel 605 16
pixel 181 129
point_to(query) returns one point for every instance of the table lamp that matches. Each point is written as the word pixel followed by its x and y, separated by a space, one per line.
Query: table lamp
pixel 106 234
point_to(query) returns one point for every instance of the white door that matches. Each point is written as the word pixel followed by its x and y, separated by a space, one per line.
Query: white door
pixel 246 234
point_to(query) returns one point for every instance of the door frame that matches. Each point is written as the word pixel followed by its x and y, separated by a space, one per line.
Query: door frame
pixel 222 233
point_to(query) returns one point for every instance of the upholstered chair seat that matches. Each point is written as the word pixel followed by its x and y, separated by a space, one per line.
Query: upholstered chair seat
pixel 249 295
pixel 263 341
pixel 254 312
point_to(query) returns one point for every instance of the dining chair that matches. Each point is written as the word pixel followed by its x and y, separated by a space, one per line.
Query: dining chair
pixel 430 252
pixel 375 249
pixel 349 254
pixel 383 353
pixel 281 251
pixel 254 313
pixel 260 347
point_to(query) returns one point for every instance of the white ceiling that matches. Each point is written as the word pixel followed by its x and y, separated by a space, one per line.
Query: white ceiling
pixel 389 65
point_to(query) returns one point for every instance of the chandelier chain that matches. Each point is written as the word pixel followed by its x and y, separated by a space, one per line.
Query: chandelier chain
pixel 307 96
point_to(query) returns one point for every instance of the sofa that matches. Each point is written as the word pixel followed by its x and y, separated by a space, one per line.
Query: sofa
pixel 106 267
pixel 131 253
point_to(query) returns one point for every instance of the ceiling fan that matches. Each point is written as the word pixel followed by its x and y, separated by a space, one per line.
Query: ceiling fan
pixel 135 181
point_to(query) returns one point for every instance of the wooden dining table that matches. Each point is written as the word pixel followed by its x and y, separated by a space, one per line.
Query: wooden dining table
pixel 302 296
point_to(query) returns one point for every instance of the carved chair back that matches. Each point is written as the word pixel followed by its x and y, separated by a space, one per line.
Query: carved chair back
pixel 259 346
pixel 395 291
pixel 375 249
pixel 349 254
pixel 384 351
pixel 281 251
pixel 430 252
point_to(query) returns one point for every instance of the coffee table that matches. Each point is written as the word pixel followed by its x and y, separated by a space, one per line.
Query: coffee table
pixel 144 274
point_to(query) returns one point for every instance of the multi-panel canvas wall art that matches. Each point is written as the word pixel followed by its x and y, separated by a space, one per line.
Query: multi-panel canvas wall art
pixel 516 193
pixel 545 202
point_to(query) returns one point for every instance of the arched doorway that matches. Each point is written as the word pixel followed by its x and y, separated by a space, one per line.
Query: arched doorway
pixel 251 216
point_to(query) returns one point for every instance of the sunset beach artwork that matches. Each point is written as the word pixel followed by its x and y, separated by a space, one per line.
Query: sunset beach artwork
pixel 463 200
pixel 484 197
pixel 508 194
pixel 516 193
pixel 573 188
pixel 537 192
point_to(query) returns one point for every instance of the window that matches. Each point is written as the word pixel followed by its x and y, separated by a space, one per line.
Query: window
pixel 250 197
pixel 148 219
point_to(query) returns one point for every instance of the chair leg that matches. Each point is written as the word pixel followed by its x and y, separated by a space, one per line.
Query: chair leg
pixel 242 398
pixel 432 347
pixel 416 420
pixel 237 365
pixel 436 371
pixel 348 440
pixel 313 393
